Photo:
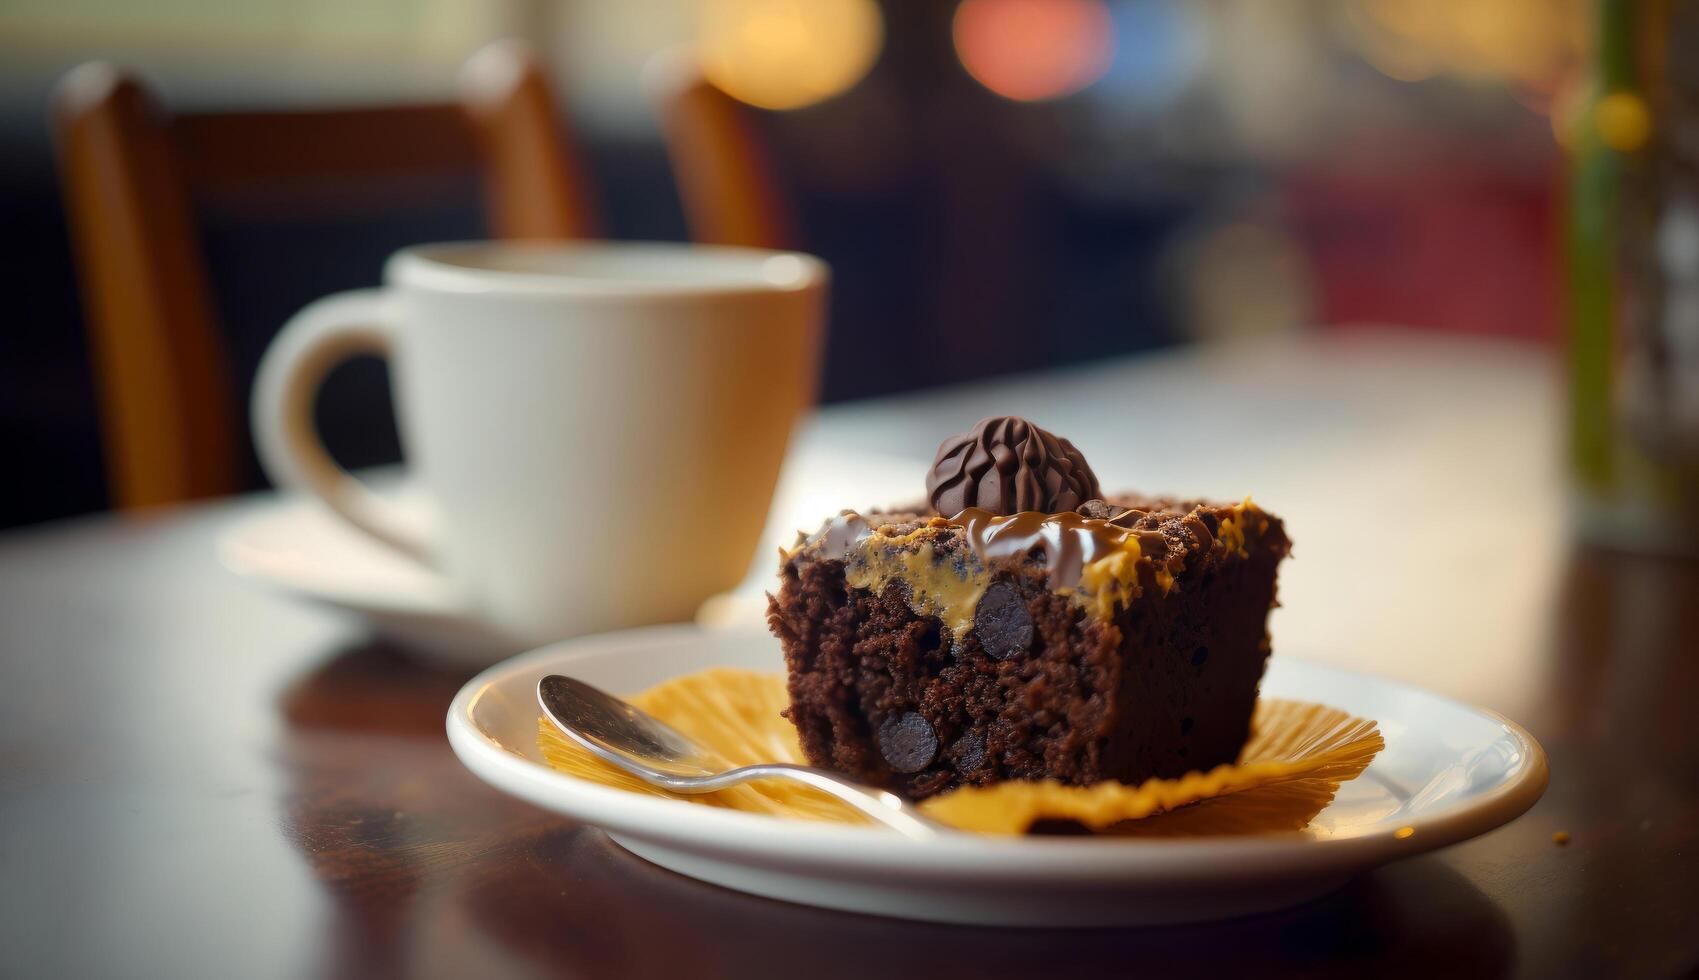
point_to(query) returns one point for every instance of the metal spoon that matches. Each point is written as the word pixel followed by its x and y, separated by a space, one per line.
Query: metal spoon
pixel 657 753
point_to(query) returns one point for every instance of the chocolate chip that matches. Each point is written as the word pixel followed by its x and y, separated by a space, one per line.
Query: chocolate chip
pixel 1199 656
pixel 907 742
pixel 969 751
pixel 1097 509
pixel 1001 622
pixel 1185 726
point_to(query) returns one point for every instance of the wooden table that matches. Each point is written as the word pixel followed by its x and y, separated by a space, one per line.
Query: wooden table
pixel 198 778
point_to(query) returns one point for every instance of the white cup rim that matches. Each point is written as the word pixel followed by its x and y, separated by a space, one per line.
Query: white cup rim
pixel 609 269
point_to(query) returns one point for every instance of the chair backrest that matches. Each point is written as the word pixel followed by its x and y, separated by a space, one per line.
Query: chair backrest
pixel 727 183
pixel 130 173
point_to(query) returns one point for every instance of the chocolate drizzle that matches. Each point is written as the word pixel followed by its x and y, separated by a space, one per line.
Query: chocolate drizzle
pixel 1066 542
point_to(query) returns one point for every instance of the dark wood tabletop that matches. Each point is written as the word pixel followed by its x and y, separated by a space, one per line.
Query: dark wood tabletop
pixel 199 778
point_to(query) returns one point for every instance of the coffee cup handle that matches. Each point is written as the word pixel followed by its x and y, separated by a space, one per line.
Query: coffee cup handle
pixel 314 341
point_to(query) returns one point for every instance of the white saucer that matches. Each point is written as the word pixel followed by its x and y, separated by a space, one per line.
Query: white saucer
pixel 299 547
pixel 1449 772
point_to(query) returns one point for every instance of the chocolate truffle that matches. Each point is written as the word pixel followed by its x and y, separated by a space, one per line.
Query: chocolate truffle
pixel 1006 465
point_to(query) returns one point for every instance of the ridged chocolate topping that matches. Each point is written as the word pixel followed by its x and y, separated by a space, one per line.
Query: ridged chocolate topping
pixel 1008 465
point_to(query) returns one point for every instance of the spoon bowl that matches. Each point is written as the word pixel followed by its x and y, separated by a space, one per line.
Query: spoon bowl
pixel 619 731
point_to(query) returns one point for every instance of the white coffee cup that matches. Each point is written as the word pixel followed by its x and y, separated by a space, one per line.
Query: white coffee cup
pixel 597 427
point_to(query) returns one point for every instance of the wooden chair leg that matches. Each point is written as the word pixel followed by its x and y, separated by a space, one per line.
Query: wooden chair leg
pixel 726 181
pixel 535 185
pixel 165 406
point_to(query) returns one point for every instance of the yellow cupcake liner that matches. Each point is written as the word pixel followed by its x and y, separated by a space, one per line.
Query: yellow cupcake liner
pixel 1291 767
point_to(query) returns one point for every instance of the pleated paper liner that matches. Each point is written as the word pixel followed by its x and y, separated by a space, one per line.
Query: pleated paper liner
pixel 1290 769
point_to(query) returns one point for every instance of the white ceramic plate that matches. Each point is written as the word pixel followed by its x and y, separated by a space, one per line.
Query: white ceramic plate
pixel 1449 772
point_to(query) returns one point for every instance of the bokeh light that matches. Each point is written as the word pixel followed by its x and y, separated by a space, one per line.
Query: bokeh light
pixel 1160 47
pixel 1029 50
pixel 1532 43
pixel 785 54
pixel 1623 121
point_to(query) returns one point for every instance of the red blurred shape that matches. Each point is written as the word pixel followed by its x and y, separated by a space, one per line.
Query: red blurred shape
pixel 1029 50
pixel 1451 247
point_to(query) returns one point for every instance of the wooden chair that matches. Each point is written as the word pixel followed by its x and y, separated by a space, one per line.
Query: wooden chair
pixel 726 180
pixel 129 172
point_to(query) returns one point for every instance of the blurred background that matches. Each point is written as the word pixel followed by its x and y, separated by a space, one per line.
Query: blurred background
pixel 998 184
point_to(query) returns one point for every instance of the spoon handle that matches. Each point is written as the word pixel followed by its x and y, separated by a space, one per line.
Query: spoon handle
pixel 887 808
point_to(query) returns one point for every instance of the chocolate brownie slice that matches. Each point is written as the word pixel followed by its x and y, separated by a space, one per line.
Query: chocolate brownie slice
pixel 1120 640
